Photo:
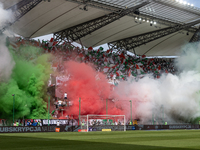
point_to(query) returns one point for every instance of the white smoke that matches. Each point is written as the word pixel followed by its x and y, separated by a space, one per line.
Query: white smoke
pixel 190 58
pixel 6 62
pixel 5 16
pixel 172 98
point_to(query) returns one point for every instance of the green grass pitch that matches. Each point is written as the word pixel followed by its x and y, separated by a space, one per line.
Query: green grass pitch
pixel 133 140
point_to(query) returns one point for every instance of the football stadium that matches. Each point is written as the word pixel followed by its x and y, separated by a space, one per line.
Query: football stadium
pixel 114 74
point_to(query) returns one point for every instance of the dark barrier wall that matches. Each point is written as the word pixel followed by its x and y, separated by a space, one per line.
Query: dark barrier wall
pixel 100 127
pixel 70 128
pixel 128 127
pixel 184 126
pixel 162 127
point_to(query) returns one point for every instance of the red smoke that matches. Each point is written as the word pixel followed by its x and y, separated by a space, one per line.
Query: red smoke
pixel 85 84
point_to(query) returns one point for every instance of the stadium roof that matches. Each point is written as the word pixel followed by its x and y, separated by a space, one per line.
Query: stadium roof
pixel 57 15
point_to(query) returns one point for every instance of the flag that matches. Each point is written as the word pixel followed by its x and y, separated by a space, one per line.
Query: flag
pixel 106 69
pixel 118 73
pixel 159 68
pixel 51 42
pixel 129 72
pixel 139 70
pixel 54 43
pixel 143 56
pixel 123 61
pixel 101 48
pixel 111 60
pixel 108 51
pixel 90 49
pixel 122 56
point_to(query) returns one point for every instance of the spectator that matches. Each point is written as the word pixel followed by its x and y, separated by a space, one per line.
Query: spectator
pixel 39 123
pixel 65 96
pixel 60 103
pixel 17 123
pixel 82 123
pixel 28 123
pixel 34 123
pixel 58 123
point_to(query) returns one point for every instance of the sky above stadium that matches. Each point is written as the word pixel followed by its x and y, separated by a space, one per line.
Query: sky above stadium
pixel 195 2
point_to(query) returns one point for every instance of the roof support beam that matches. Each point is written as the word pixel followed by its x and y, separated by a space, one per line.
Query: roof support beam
pixel 174 5
pixel 196 36
pixel 19 10
pixel 110 8
pixel 94 4
pixel 77 32
pixel 138 40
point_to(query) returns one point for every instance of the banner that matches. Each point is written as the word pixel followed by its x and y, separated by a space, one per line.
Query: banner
pixel 184 126
pixel 53 122
pixel 62 122
pixel 27 129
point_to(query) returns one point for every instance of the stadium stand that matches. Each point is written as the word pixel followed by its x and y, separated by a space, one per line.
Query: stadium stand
pixel 116 65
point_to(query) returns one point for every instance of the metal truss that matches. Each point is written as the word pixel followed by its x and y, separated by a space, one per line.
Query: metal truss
pixel 77 32
pixel 19 10
pixel 138 40
pixel 196 36
pixel 94 4
pixel 108 6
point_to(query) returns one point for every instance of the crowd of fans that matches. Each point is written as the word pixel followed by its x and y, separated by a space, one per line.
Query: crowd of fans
pixel 116 65
pixel 119 65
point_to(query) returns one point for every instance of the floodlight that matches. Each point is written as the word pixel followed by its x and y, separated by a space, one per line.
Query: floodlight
pixel 144 20
pixel 192 5
pixel 147 20
pixel 136 18
pixel 140 18
pixel 154 22
pixel 151 23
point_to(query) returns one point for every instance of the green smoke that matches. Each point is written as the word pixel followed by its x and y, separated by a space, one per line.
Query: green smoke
pixel 28 81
